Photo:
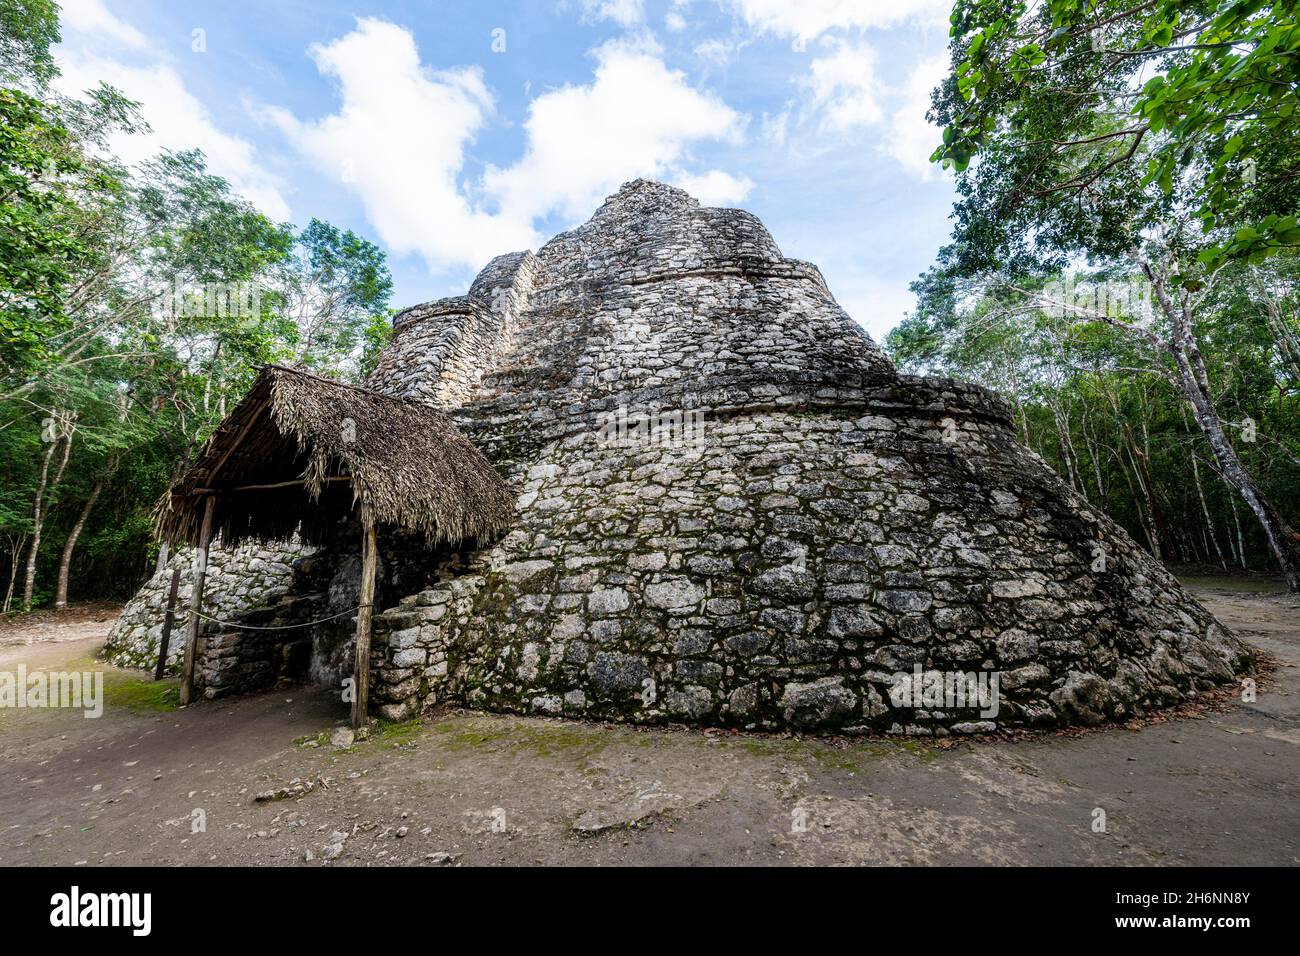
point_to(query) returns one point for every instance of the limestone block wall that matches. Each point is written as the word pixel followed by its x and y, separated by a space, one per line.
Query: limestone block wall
pixel 825 529
pixel 441 350
pixel 413 646
pixel 308 632
pixel 238 660
pixel 787 569
pixel 240 579
pixel 654 290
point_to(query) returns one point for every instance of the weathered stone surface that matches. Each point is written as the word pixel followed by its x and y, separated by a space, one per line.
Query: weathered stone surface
pixel 247 577
pixel 818 704
pixel 733 509
pixel 614 672
pixel 674 593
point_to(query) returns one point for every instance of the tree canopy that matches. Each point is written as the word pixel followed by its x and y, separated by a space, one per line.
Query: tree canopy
pixel 1125 239
pixel 136 305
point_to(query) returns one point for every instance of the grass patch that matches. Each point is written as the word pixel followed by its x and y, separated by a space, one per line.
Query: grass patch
pixel 539 740
pixel 851 757
pixel 128 690
pixel 558 740
pixel 456 736
pixel 141 696
pixel 572 742
pixel 398 732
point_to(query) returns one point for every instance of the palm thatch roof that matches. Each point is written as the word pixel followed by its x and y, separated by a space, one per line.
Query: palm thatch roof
pixel 300 453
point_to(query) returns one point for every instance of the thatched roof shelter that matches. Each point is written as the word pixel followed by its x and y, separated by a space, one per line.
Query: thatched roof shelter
pixel 300 453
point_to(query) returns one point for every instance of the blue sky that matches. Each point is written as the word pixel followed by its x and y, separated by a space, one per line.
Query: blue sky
pixel 451 132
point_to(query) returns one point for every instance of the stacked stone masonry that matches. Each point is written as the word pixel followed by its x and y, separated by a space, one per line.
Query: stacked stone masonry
pixel 238 580
pixel 733 510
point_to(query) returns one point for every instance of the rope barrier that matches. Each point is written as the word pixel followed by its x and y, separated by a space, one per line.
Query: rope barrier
pixel 280 627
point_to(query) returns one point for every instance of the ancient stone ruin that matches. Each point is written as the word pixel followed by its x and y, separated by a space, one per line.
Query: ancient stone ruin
pixel 731 509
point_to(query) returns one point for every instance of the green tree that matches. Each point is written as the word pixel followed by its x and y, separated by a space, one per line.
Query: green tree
pixel 1148 139
pixel 39 247
pixel 135 306
pixel 28 28
pixel 333 287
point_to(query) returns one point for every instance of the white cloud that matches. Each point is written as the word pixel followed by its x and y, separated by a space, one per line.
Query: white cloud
pixel 401 135
pixel 911 138
pixel 636 118
pixel 776 126
pixel 805 20
pixel 718 52
pixel 716 188
pixel 844 95
pixel 843 87
pixel 398 139
pixel 674 21
pixel 92 18
pixel 626 13
pixel 177 119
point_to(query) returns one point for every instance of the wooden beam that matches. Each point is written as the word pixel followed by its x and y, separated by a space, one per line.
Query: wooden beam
pixel 275 484
pixel 361 667
pixel 196 602
pixel 239 440
pixel 169 619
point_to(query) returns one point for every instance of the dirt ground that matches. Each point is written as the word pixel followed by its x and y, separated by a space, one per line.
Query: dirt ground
pixel 150 784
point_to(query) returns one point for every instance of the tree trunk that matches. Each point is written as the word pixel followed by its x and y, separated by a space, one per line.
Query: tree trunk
pixel 1208 531
pixel 1094 456
pixel 1287 343
pixel 1241 538
pixel 65 560
pixel 1173 550
pixel 1063 440
pixel 16 548
pixel 1282 540
pixel 38 513
pixel 1205 511
pixel 1153 525
pixel 1151 522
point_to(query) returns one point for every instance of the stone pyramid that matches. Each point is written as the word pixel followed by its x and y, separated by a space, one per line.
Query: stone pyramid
pixel 733 509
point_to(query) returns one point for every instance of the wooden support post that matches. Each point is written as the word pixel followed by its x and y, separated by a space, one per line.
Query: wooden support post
pixel 196 602
pixel 361 669
pixel 164 642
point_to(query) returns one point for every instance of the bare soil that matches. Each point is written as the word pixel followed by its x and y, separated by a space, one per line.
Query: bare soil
pixel 1214 785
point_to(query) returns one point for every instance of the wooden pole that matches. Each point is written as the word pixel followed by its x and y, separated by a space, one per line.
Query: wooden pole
pixel 164 642
pixel 196 602
pixel 361 669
